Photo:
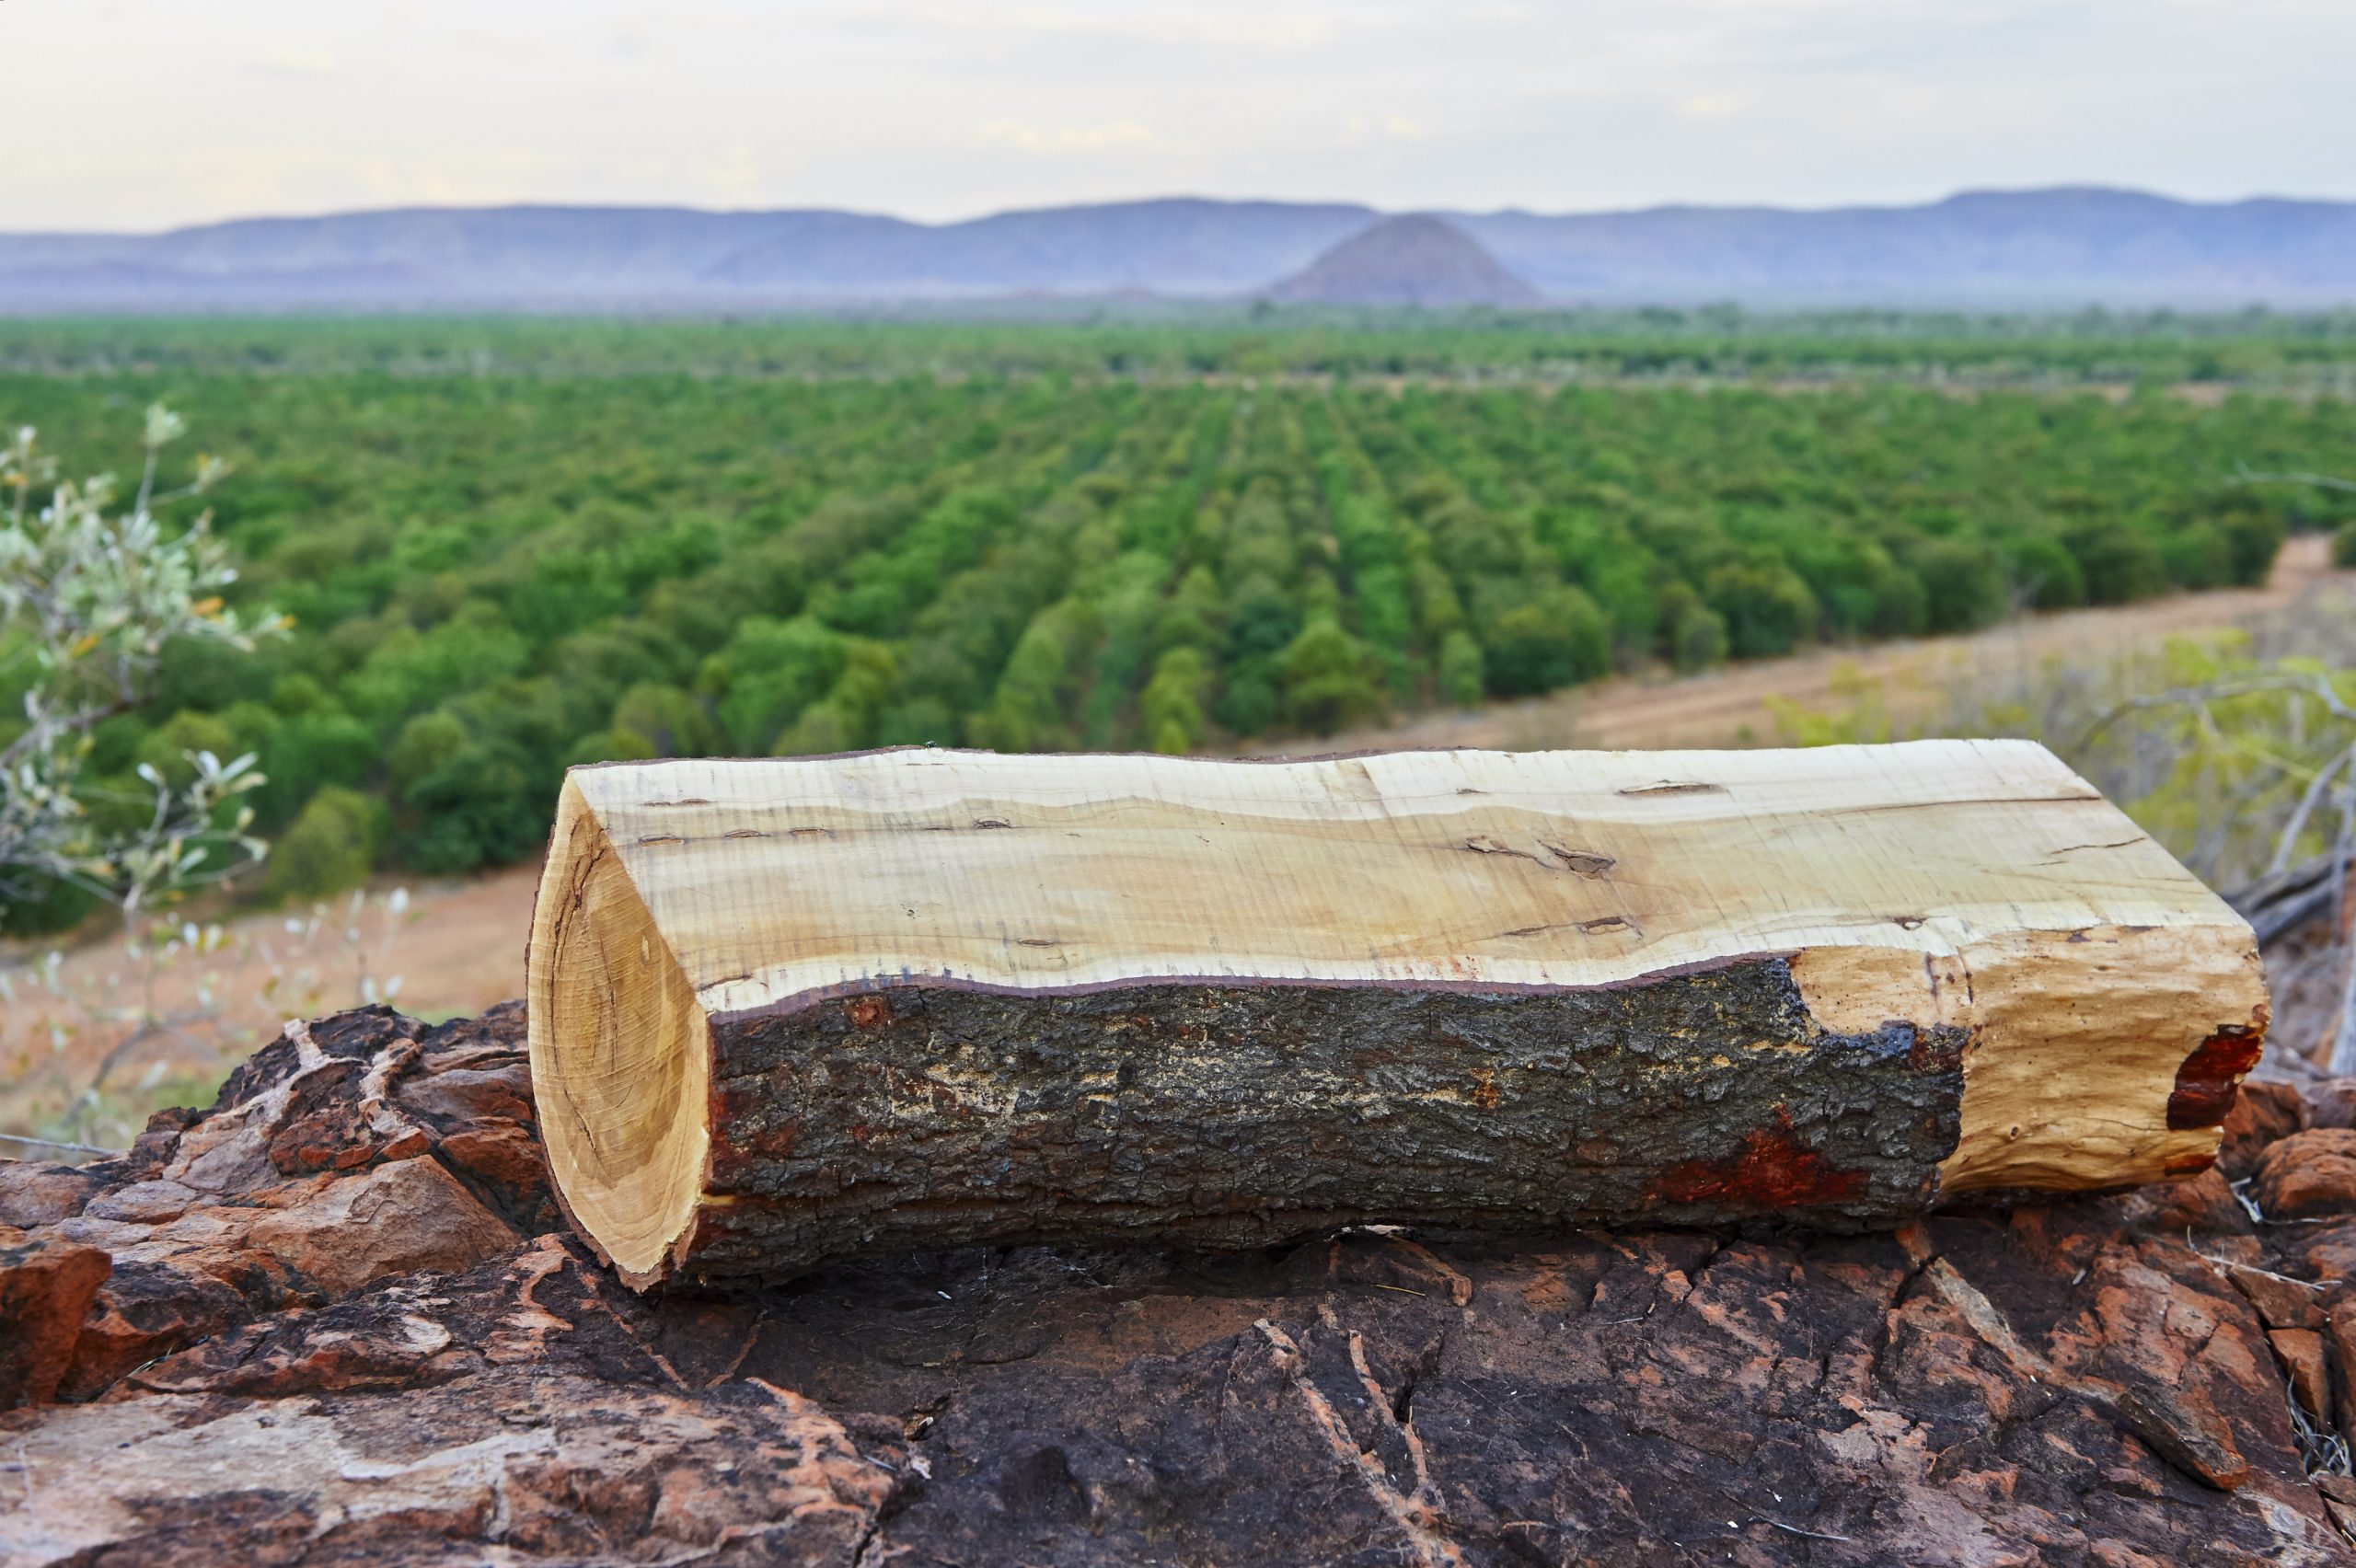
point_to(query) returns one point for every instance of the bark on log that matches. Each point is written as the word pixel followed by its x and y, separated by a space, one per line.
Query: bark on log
pixel 790 1009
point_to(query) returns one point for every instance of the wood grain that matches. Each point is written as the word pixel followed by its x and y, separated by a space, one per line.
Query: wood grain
pixel 1972 891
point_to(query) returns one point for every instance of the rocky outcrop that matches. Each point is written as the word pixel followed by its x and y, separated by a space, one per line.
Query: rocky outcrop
pixel 46 1287
pixel 334 1318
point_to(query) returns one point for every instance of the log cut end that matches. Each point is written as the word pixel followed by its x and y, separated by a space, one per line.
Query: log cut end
pixel 621 1054
pixel 784 1011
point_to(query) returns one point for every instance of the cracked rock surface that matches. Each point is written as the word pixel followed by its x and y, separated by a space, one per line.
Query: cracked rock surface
pixel 335 1319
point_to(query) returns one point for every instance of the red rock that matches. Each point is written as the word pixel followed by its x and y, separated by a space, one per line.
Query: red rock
pixel 322 1126
pixel 2308 1175
pixel 2263 1113
pixel 2339 1335
pixel 2343 1515
pixel 2182 1355
pixel 45 1291
pixel 405 1144
pixel 34 1194
pixel 2184 1426
pixel 390 1220
pixel 2331 1103
pixel 143 1202
pixel 356 1346
pixel 2281 1302
pixel 1999 1393
pixel 2301 1353
pixel 2205 1205
pixel 144 1311
pixel 506 1160
pixel 2112 1554
pixel 466 1094
pixel 2331 1256
pixel 518 1467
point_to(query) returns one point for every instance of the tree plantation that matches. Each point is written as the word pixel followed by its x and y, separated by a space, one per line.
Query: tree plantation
pixel 1166 339
pixel 630 552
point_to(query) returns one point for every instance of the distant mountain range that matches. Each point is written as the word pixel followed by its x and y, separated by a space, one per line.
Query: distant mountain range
pixel 2055 248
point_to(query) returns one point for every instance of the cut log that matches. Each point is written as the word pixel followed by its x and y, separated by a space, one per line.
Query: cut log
pixel 786 1010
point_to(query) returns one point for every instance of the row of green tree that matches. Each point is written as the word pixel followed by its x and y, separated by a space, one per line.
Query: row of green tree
pixel 1165 340
pixel 491 579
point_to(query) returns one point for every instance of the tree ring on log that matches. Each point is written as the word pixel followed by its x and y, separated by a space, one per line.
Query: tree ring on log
pixel 621 1105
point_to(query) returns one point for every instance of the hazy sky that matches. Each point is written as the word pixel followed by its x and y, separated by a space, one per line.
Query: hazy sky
pixel 134 114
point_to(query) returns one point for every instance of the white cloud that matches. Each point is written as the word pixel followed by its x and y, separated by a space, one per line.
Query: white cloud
pixel 1117 135
pixel 1712 105
pixel 1272 28
pixel 1377 130
pixel 936 109
pixel 287 61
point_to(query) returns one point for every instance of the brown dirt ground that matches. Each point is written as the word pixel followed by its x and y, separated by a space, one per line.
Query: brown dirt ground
pixel 461 948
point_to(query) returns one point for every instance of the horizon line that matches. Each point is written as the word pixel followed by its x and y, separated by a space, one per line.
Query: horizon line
pixel 1962 193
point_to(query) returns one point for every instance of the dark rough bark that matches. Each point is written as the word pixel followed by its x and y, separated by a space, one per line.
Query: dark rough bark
pixel 2096 1382
pixel 1248 1115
